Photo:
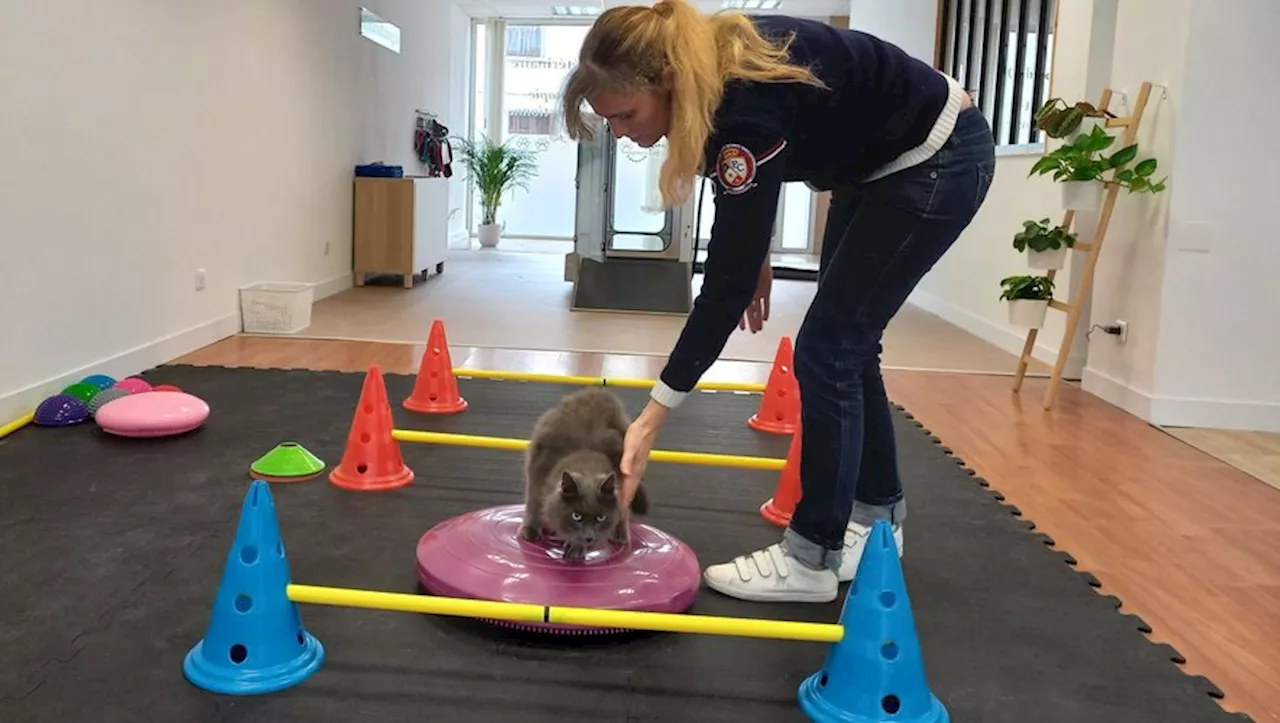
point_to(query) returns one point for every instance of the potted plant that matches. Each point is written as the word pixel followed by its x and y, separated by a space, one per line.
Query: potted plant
pixel 1079 165
pixel 1028 298
pixel 495 169
pixel 1059 120
pixel 1046 247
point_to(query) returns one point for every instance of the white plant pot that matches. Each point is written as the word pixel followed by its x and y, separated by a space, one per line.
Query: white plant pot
pixel 1028 313
pixel 1082 195
pixel 489 234
pixel 1047 260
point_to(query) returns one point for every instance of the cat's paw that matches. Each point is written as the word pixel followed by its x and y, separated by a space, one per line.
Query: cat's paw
pixel 575 551
pixel 530 532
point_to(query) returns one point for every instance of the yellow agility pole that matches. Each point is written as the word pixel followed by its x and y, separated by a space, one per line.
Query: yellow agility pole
pixel 657 455
pixel 598 381
pixel 16 424
pixel 591 617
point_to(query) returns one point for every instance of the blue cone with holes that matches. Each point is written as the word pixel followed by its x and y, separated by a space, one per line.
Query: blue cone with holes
pixel 875 674
pixel 255 642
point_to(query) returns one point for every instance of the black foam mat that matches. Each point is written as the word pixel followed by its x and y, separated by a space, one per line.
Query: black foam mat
pixel 633 285
pixel 113 550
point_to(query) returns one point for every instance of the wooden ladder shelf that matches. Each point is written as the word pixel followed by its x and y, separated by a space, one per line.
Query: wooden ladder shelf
pixel 1092 247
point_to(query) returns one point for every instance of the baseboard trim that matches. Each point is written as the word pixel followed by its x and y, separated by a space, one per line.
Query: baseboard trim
pixel 1112 390
pixel 131 361
pixel 1165 411
pixel 1215 414
pixel 335 285
pixel 1002 337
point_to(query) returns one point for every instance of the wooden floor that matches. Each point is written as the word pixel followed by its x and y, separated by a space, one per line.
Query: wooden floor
pixel 1187 542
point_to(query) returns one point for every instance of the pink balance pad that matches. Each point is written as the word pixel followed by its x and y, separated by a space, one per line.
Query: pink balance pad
pixel 479 555
pixel 153 414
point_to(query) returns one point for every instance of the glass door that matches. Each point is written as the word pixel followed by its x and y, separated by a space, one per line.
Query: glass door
pixel 636 224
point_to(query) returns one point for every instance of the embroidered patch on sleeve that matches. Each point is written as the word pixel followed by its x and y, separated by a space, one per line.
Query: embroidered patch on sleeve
pixel 736 166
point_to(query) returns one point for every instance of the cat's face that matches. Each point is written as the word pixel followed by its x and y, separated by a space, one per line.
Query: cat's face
pixel 584 508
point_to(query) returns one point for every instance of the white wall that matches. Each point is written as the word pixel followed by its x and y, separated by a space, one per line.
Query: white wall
pixel 1218 352
pixel 1191 270
pixel 1150 43
pixel 145 140
pixel 964 287
pixel 909 24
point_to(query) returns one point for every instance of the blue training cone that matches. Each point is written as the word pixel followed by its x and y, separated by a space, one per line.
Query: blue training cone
pixel 875 674
pixel 255 642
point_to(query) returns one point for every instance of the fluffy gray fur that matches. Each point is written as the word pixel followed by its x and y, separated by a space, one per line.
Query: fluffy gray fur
pixel 573 481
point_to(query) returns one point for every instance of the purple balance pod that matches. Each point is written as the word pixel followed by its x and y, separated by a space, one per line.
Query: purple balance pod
pixel 61 410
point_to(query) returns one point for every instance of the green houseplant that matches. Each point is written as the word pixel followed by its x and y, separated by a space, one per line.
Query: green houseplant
pixel 1080 165
pixel 494 169
pixel 1045 246
pixel 1028 298
pixel 1059 120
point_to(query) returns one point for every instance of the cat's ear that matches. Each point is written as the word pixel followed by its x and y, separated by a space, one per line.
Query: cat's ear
pixel 568 486
pixel 609 487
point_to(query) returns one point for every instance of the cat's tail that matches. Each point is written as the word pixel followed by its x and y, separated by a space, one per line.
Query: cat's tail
pixel 640 503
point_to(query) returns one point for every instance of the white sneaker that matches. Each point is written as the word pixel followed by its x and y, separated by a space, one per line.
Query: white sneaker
pixel 855 539
pixel 770 575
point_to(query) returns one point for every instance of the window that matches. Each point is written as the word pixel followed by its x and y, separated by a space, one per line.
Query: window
pixel 524 41
pixel 529 124
pixel 1001 52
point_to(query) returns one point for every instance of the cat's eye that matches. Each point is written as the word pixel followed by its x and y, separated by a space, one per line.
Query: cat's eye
pixel 601 518
pixel 577 516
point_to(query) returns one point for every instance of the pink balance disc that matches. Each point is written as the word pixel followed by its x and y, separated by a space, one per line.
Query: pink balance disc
pixel 134 385
pixel 479 555
pixel 153 414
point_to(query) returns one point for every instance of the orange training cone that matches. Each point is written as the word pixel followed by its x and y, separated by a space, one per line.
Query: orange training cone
pixel 435 391
pixel 778 508
pixel 372 460
pixel 779 411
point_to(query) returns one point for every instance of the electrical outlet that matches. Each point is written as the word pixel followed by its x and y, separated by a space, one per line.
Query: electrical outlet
pixel 1119 328
pixel 199 279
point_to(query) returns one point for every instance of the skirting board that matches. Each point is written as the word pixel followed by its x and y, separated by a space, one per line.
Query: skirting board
pixel 131 361
pixel 1165 411
pixel 1109 389
pixel 335 285
pixel 1002 337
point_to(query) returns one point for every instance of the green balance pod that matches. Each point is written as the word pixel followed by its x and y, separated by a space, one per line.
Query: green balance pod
pixel 82 391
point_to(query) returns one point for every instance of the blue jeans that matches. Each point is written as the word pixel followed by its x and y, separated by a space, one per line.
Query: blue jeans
pixel 881 238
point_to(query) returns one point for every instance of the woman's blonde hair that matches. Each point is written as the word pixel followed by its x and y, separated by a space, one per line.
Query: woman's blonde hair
pixel 673 47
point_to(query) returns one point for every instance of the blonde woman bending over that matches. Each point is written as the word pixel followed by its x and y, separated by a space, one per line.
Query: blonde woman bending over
pixel 753 102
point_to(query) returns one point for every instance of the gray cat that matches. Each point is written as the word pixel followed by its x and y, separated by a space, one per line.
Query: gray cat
pixel 573 483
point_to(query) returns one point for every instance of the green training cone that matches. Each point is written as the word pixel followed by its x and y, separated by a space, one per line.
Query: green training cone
pixel 288 462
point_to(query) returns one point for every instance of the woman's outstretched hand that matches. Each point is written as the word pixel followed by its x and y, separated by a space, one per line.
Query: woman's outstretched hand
pixel 636 447
pixel 758 310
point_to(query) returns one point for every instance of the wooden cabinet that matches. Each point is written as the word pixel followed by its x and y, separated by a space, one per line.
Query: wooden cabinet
pixel 401 226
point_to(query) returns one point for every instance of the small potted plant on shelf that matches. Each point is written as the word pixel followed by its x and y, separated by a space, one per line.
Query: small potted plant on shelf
pixel 1059 120
pixel 495 169
pixel 1080 164
pixel 1028 298
pixel 1046 247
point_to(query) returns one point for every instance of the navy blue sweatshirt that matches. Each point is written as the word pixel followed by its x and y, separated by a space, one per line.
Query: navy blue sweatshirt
pixel 882 110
